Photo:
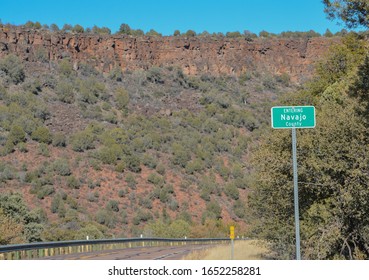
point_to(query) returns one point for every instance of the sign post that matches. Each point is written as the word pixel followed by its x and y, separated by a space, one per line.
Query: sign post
pixel 294 117
pixel 231 236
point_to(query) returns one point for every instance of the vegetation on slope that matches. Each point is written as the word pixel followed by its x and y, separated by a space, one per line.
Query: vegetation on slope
pixel 154 152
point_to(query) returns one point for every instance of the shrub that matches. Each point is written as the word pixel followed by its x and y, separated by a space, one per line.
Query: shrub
pixel 142 216
pixel 133 163
pixel 106 218
pixel 156 179
pixel 61 167
pixel 194 166
pixel 59 140
pixel 92 198
pixel 232 191
pixel 82 141
pixel 33 232
pixel 65 91
pixel 214 209
pixel 130 180
pixel 121 193
pixel 160 169
pixel 116 74
pixel 22 147
pixel 121 99
pixel 44 191
pixel 149 161
pixel 90 90
pixel 65 67
pixel 42 134
pixel 73 182
pixel 16 134
pixel 113 205
pixel 180 155
pixel 43 150
pixel 110 155
pixel 12 66
pixel 239 209
pixel 120 167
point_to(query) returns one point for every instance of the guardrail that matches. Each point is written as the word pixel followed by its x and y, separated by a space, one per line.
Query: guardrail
pixel 47 249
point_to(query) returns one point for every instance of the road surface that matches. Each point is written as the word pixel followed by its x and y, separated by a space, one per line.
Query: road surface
pixel 138 253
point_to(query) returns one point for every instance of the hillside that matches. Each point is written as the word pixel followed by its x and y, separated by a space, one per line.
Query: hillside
pixel 121 136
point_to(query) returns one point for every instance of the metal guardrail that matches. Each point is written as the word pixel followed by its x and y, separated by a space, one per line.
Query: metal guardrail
pixel 45 249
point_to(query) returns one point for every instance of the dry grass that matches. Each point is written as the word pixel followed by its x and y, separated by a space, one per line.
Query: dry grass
pixel 243 250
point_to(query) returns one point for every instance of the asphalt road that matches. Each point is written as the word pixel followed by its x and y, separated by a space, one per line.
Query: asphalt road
pixel 139 253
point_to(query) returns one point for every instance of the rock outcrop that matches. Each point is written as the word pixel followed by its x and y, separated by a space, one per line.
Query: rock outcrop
pixel 195 56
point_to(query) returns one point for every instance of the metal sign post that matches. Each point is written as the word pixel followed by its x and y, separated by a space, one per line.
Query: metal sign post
pixel 296 194
pixel 294 117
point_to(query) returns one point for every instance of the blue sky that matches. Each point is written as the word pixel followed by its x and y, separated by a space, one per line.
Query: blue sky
pixel 166 16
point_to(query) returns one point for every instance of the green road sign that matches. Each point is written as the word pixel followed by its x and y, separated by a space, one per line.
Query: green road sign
pixel 293 117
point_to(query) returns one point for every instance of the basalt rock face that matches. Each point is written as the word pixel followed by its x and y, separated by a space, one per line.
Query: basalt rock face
pixel 195 56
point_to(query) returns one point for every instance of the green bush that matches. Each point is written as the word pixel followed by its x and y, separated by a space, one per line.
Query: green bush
pixel 133 163
pixel 65 68
pixel 73 182
pixel 61 167
pixel 110 155
pixel 65 91
pixel 43 149
pixel 156 180
pixel 91 197
pixel 122 99
pixel 239 208
pixel 160 168
pixel 42 134
pixel 131 182
pixel 16 134
pixel 142 216
pixel 12 66
pixel 149 161
pixel 106 218
pixel 214 209
pixel 180 155
pixel 194 166
pixel 120 167
pixel 82 141
pixel 59 140
pixel 116 74
pixel 231 191
pixel 44 191
pixel 121 193
pixel 22 147
pixel 55 202
pixel 113 205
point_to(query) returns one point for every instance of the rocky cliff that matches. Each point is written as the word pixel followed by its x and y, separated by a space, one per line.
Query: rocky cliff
pixel 195 56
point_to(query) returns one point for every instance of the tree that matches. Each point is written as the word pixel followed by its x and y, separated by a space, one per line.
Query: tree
pixel 9 230
pixel 152 32
pixel 37 25
pixel 78 29
pixel 328 33
pixel 67 27
pixel 353 13
pixel 177 33
pixel 125 29
pixel 190 33
pixel 54 27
